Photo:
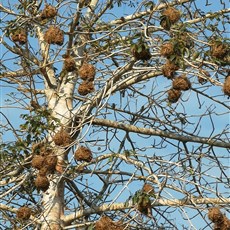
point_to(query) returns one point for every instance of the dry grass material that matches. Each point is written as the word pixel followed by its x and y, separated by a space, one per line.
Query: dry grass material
pixel 20 36
pixel 169 69
pixel 43 171
pixel 144 205
pixel 50 163
pixel 172 14
pixel 69 64
pixel 148 188
pixel 83 154
pixel 226 86
pixel 54 35
pixel 219 50
pixel 42 183
pixel 85 88
pixel 181 83
pixel 141 52
pixel 37 162
pixel 167 49
pixel 173 95
pixel 48 12
pixel 105 223
pixel 62 138
pixel 24 213
pixel 87 72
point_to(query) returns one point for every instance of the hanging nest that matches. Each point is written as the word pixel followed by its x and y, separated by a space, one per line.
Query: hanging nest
pixel 167 49
pixel 148 189
pixel 54 35
pixel 62 138
pixel 144 204
pixel 69 64
pixel 141 51
pixel 105 223
pixel 24 213
pixel 83 154
pixel 48 12
pixel 37 162
pixel 172 14
pixel 50 163
pixel 87 72
pixel 181 83
pixel 43 171
pixel 42 183
pixel 219 50
pixel 85 88
pixel 169 69
pixel 226 86
pixel 20 36
pixel 173 95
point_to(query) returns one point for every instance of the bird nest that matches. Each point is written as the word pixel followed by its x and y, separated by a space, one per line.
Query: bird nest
pixel 83 154
pixel 219 50
pixel 87 72
pixel 23 213
pixel 148 189
pixel 20 36
pixel 48 12
pixel 42 183
pixel 169 69
pixel 173 95
pixel 181 83
pixel 167 49
pixel 105 223
pixel 141 51
pixel 172 14
pixel 54 35
pixel 226 86
pixel 62 138
pixel 85 88
pixel 69 64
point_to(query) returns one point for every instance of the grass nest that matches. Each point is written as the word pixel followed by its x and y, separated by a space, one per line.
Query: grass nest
pixel 85 88
pixel 144 204
pixel 38 161
pixel 141 51
pixel 62 138
pixel 87 72
pixel 20 36
pixel 219 50
pixel 181 83
pixel 148 189
pixel 169 69
pixel 169 17
pixel 173 95
pixel 24 213
pixel 226 86
pixel 69 64
pixel 48 12
pixel 42 183
pixel 105 223
pixel 167 49
pixel 83 154
pixel 54 35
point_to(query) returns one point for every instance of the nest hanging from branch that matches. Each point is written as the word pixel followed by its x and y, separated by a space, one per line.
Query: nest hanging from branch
pixel 62 138
pixel 169 69
pixel 42 183
pixel 105 223
pixel 85 88
pixel 167 49
pixel 48 12
pixel 69 64
pixel 181 83
pixel 83 154
pixel 226 86
pixel 173 95
pixel 20 36
pixel 87 72
pixel 24 213
pixel 54 35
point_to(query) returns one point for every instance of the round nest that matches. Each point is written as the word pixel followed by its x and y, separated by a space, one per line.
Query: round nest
pixel 83 154
pixel 87 72
pixel 48 12
pixel 43 171
pixel 172 14
pixel 141 52
pixel 105 223
pixel 226 86
pixel 169 69
pixel 219 50
pixel 50 163
pixel 144 205
pixel 37 161
pixel 215 215
pixel 174 95
pixel 54 35
pixel 181 83
pixel 23 213
pixel 62 138
pixel 19 36
pixel 69 64
pixel 85 88
pixel 148 188
pixel 42 182
pixel 167 49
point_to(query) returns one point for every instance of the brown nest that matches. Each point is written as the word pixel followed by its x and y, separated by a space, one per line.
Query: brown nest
pixel 37 161
pixel 23 213
pixel 62 138
pixel 226 86
pixel 174 95
pixel 105 223
pixel 83 154
pixel 219 50
pixel 181 83
pixel 48 12
pixel 148 188
pixel 87 72
pixel 43 171
pixel 20 36
pixel 167 49
pixel 144 205
pixel 141 52
pixel 69 64
pixel 42 183
pixel 169 69
pixel 50 163
pixel 172 14
pixel 85 88
pixel 54 35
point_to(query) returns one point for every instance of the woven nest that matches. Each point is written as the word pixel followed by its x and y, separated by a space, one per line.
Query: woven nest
pixel 167 49
pixel 85 88
pixel 173 95
pixel 50 163
pixel 105 223
pixel 219 50
pixel 42 183
pixel 69 64
pixel 181 83
pixel 169 69
pixel 54 35
pixel 87 72
pixel 215 215
pixel 172 14
pixel 43 171
pixel 62 138
pixel 226 86
pixel 37 161
pixel 148 188
pixel 141 52
pixel 144 205
pixel 48 12
pixel 19 36
pixel 23 213
pixel 83 154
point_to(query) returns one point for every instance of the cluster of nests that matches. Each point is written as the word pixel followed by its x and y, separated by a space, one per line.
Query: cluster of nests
pixel 19 35
pixel 221 222
pixel 169 17
pixel 105 223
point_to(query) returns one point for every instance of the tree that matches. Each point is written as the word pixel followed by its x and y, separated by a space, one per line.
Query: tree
pixel 114 113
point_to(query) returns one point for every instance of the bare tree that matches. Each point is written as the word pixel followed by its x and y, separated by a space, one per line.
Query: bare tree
pixel 114 114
